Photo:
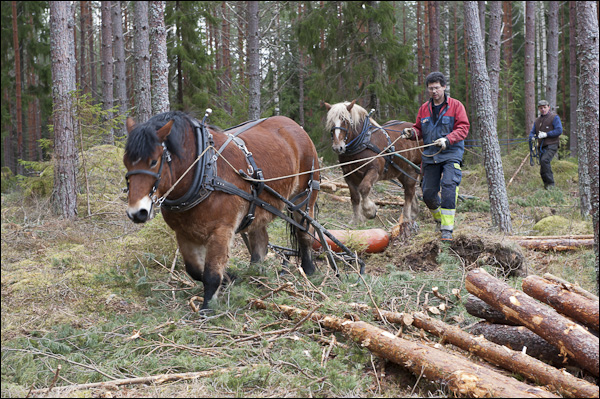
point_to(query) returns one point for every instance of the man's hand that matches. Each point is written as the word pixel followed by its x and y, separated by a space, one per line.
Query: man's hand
pixel 407 133
pixel 443 142
pixel 542 135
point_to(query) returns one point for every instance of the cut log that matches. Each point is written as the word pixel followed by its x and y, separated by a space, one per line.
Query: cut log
pixel 330 186
pixel 565 237
pixel 396 202
pixel 478 308
pixel 566 302
pixel 571 287
pixel 569 337
pixel 516 361
pixel 456 372
pixel 373 240
pixel 555 244
pixel 519 337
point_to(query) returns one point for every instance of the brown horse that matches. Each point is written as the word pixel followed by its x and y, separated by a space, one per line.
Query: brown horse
pixel 357 136
pixel 212 201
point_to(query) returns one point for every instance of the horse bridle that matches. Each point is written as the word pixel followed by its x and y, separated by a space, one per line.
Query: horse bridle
pixel 340 128
pixel 166 156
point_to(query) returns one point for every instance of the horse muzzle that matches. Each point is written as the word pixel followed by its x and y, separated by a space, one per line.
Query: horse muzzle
pixel 339 148
pixel 142 212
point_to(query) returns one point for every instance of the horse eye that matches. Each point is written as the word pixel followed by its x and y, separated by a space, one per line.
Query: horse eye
pixel 153 163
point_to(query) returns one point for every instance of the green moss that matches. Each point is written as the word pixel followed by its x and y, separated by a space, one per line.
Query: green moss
pixel 558 225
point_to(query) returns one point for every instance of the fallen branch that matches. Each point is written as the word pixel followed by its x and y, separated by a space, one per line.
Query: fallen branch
pixel 396 202
pixel 566 302
pixel 460 375
pixel 153 379
pixel 518 362
pixel 517 171
pixel 571 338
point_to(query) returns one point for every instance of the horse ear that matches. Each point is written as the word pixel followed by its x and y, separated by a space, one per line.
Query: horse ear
pixel 164 131
pixel 130 124
pixel 327 105
pixel 349 106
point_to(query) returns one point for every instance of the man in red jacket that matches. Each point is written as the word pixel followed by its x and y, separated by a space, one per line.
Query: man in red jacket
pixel 441 121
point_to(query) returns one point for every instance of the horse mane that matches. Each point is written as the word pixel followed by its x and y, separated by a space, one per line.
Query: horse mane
pixel 354 117
pixel 142 140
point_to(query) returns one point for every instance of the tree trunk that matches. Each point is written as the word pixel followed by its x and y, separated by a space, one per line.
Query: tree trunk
pixel 253 62
pixel 571 287
pixel 159 60
pixel 434 35
pixel 587 54
pixel 62 48
pixel 478 308
pixel 374 35
pixel 555 244
pixel 519 338
pixel 18 87
pixel 552 82
pixel 119 78
pixel 572 339
pixel 529 65
pixel 513 360
pixel 572 79
pixel 486 122
pixel 419 54
pixel 107 70
pixel 564 301
pixel 141 43
pixel 460 375
pixel 493 54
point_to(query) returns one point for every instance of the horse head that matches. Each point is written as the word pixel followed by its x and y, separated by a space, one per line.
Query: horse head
pixel 145 157
pixel 344 121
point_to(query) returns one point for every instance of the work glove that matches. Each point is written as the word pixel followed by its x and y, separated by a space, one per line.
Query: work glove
pixel 443 142
pixel 542 135
pixel 407 133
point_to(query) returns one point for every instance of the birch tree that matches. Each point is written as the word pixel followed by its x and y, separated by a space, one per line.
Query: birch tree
pixel 62 50
pixel 587 54
pixel 480 84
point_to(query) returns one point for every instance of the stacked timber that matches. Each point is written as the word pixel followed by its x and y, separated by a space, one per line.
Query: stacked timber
pixel 549 320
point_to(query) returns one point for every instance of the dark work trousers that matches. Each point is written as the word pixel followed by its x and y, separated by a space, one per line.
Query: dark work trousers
pixel 445 176
pixel 546 155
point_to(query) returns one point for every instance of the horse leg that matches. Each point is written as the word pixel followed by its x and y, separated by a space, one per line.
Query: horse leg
pixel 305 242
pixel 258 239
pixel 368 207
pixel 357 217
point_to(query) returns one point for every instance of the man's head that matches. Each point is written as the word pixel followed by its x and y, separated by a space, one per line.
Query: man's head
pixel 543 107
pixel 436 84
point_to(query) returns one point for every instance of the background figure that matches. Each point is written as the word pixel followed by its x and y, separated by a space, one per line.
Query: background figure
pixel 442 121
pixel 546 130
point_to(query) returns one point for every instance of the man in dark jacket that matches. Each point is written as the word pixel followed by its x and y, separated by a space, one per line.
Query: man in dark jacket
pixel 546 129
pixel 441 121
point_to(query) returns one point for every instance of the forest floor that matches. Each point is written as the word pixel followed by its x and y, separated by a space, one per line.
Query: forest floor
pixel 106 299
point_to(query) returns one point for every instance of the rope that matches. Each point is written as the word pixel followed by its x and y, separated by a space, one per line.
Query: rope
pixel 370 159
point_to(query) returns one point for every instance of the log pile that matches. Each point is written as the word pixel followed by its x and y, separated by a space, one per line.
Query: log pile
pixel 555 243
pixel 543 319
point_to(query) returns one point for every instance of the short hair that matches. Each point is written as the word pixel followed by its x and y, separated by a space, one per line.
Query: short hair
pixel 435 77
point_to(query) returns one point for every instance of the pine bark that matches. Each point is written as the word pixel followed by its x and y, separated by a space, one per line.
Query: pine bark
pixel 107 69
pixel 479 308
pixel 519 338
pixel 587 54
pixel 119 78
pixel 564 301
pixel 141 44
pixel 572 79
pixel 460 375
pixel 62 48
pixel 18 87
pixel 556 243
pixel 513 360
pixel 552 81
pixel 529 65
pixel 486 122
pixel 434 35
pixel 572 339
pixel 493 54
pixel 159 60
pixel 253 62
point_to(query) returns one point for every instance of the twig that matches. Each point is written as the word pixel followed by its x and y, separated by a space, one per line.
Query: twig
pixel 55 378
